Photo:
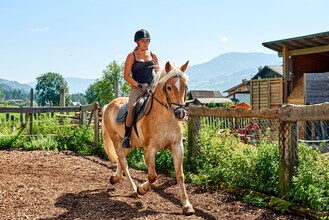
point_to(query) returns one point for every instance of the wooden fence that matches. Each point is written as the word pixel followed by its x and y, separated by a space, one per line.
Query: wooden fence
pixel 91 110
pixel 288 116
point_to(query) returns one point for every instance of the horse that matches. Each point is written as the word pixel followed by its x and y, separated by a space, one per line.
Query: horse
pixel 161 128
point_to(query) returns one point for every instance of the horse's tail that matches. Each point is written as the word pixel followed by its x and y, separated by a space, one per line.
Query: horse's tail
pixel 108 143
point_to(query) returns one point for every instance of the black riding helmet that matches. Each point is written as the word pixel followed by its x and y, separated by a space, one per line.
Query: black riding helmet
pixel 142 34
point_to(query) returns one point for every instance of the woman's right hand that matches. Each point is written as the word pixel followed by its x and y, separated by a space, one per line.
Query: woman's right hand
pixel 143 86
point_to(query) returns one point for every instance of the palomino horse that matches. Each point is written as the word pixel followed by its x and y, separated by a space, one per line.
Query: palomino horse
pixel 159 129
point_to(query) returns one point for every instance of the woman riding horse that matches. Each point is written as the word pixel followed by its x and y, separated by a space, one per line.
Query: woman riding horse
pixel 161 128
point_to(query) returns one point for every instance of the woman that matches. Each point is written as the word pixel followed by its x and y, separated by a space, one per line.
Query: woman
pixel 139 71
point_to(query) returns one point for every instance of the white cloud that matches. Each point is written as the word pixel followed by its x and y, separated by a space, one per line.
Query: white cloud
pixel 223 39
pixel 40 29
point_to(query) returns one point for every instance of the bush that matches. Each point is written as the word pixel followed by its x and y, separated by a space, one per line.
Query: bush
pixel 224 158
pixel 50 133
pixel 310 185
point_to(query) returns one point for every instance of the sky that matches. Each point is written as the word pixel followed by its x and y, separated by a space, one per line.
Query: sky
pixel 79 38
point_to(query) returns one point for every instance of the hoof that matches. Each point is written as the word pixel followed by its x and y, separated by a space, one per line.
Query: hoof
pixel 140 190
pixel 113 180
pixel 188 210
pixel 134 195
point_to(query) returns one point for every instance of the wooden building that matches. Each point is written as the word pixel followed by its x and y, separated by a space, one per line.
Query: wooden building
pixel 268 71
pixel 305 68
pixel 239 93
pixel 266 88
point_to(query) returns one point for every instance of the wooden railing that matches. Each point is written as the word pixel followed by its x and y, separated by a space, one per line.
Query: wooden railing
pixel 288 116
pixel 93 110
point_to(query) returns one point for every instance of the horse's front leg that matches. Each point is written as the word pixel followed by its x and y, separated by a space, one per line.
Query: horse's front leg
pixel 177 152
pixel 149 156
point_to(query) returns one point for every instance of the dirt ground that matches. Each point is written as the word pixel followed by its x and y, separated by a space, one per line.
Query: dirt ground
pixel 51 185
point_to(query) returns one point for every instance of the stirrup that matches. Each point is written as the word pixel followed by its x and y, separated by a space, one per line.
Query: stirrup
pixel 125 142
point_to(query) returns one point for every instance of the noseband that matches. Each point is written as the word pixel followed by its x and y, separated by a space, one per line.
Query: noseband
pixel 170 105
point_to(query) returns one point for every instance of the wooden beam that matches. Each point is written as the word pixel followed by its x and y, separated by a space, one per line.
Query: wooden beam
pixel 319 49
pixel 285 60
pixel 293 113
pixel 233 112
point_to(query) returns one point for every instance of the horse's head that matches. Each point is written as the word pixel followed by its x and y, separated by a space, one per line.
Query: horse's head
pixel 173 80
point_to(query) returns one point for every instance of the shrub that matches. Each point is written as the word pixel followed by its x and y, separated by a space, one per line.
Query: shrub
pixel 223 158
pixel 310 184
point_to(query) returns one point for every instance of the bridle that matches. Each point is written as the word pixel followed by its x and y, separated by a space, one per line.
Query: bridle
pixel 169 104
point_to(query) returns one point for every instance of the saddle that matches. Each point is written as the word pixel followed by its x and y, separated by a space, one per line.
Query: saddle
pixel 139 110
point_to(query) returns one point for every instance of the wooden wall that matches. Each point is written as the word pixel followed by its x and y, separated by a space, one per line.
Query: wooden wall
pixel 316 88
pixel 266 93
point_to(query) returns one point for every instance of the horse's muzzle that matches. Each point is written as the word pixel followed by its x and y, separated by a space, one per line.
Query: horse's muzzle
pixel 180 113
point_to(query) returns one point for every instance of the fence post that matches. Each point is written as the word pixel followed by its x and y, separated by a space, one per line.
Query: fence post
pixel 96 124
pixel 288 156
pixel 194 123
pixel 30 114
pixel 82 117
pixel 62 99
pixel 190 138
pixel 116 89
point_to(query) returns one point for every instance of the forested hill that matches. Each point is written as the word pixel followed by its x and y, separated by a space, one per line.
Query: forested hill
pixel 221 73
pixel 228 70
pixel 10 85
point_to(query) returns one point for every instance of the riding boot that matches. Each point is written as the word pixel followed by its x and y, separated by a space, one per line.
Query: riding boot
pixel 126 138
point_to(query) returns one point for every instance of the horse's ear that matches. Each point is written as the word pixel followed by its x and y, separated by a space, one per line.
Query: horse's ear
pixel 184 67
pixel 168 67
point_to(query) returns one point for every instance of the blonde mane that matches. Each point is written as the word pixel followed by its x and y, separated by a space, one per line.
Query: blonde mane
pixel 163 76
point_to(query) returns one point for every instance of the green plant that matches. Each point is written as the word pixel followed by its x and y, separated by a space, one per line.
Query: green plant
pixel 310 184
pixel 256 201
pixel 223 158
pixel 136 159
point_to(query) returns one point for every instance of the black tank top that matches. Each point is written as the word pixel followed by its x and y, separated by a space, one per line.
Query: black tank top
pixel 143 72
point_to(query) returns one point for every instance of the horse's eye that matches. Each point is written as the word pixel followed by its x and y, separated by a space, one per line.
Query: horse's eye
pixel 169 88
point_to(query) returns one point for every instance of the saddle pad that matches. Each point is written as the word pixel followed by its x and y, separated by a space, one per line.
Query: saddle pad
pixel 139 110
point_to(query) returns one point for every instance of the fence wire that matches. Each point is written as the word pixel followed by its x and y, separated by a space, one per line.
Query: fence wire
pixel 45 124
pixel 253 130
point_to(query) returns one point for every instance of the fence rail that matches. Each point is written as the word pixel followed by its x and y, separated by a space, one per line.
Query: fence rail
pixel 93 108
pixel 290 124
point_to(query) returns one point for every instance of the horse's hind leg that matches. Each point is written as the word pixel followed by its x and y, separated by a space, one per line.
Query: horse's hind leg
pixel 177 152
pixel 152 175
pixel 117 175
pixel 123 165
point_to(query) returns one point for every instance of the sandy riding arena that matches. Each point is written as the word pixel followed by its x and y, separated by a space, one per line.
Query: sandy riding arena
pixel 61 185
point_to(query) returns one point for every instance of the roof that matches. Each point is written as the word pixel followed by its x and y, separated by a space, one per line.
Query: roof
pixel 209 100
pixel 244 82
pixel 193 94
pixel 303 42
pixel 277 71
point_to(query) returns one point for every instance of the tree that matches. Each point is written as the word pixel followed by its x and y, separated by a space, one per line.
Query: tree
pixel 49 87
pixel 1 94
pixel 103 90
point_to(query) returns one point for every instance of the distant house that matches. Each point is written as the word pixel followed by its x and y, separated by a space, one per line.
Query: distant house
pixel 269 72
pixel 75 104
pixel 203 97
pixel 266 88
pixel 239 93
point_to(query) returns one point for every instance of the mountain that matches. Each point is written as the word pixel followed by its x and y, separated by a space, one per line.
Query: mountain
pixel 221 73
pixel 228 70
pixel 7 85
pixel 77 85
